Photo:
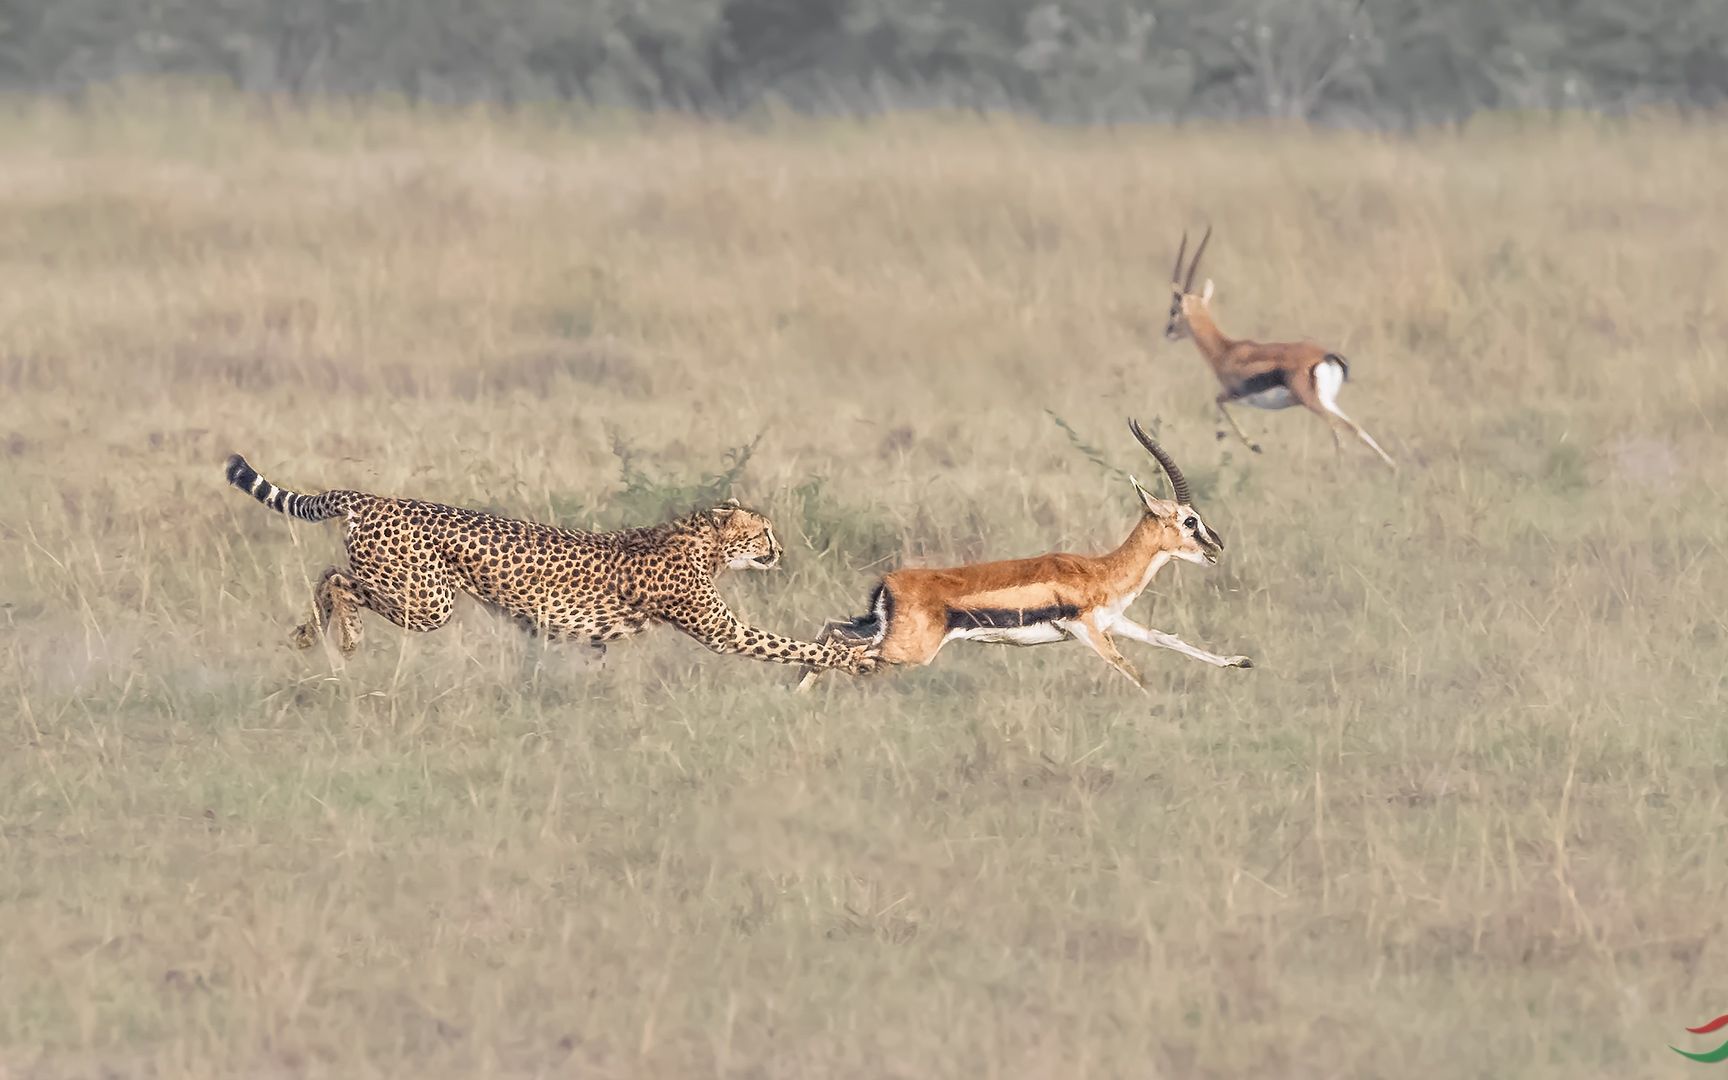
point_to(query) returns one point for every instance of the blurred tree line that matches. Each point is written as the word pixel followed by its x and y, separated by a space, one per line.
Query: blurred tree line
pixel 1343 61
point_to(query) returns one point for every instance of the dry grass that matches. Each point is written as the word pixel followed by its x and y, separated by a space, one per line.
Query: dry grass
pixel 1467 818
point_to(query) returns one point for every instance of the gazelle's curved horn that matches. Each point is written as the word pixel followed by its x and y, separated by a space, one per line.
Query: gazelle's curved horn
pixel 1178 483
pixel 1188 284
pixel 1176 274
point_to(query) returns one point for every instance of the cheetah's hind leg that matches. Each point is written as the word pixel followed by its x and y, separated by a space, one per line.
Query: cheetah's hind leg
pixel 336 601
pixel 590 646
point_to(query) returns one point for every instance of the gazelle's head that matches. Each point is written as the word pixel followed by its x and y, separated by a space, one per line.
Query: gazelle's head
pixel 1183 301
pixel 1195 540
pixel 746 538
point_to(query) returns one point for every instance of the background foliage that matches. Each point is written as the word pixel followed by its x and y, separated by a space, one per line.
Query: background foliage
pixel 1343 61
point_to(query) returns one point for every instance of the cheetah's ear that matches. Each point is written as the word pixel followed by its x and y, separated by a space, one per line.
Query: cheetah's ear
pixel 727 507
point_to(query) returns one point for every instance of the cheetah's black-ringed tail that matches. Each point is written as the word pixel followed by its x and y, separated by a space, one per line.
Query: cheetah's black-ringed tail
pixel 319 507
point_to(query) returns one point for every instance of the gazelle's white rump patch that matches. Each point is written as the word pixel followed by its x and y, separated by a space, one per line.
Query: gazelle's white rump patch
pixel 1328 380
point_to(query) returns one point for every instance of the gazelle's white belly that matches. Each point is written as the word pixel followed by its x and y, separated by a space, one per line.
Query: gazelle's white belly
pixel 1031 634
pixel 1277 397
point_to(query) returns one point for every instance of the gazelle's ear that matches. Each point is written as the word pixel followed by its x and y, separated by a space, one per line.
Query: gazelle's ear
pixel 1206 293
pixel 1146 497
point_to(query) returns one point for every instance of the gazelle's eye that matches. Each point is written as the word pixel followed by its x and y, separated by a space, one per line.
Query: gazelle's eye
pixel 1191 523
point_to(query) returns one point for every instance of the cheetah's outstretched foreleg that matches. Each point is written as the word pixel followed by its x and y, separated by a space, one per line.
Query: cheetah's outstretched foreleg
pixel 714 625
pixel 845 630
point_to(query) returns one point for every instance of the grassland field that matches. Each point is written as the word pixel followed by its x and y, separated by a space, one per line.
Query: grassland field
pixel 1465 819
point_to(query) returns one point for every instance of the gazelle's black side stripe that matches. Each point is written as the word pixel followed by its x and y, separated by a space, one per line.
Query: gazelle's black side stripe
pixel 305 507
pixel 1007 618
pixel 1259 384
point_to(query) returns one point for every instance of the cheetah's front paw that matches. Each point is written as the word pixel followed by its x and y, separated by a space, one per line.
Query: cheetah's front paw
pixel 303 636
pixel 861 660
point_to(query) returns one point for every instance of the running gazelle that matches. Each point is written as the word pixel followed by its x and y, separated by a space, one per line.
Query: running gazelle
pixel 1265 375
pixel 1048 598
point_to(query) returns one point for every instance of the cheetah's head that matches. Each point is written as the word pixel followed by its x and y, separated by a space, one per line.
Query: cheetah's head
pixel 747 539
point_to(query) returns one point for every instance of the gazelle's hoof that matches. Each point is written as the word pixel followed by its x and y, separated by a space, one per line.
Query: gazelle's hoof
pixel 1241 661
pixel 1254 446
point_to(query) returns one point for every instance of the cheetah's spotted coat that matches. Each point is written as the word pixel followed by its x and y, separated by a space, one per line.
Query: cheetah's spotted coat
pixel 408 559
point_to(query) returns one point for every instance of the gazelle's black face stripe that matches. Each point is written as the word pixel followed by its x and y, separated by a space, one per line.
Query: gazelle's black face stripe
pixel 1174 326
pixel 1204 534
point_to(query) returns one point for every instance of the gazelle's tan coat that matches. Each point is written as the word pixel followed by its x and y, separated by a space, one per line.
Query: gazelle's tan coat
pixel 1044 599
pixel 1273 375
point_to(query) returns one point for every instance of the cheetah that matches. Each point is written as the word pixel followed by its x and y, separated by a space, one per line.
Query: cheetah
pixel 408 559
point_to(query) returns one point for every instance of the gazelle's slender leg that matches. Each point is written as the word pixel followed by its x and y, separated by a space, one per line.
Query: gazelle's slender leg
pixel 1326 397
pixel 1335 418
pixel 1130 629
pixel 1231 420
pixel 1372 445
pixel 1100 643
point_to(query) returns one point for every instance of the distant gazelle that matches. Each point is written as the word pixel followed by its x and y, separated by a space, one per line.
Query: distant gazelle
pixel 1274 375
pixel 1049 598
